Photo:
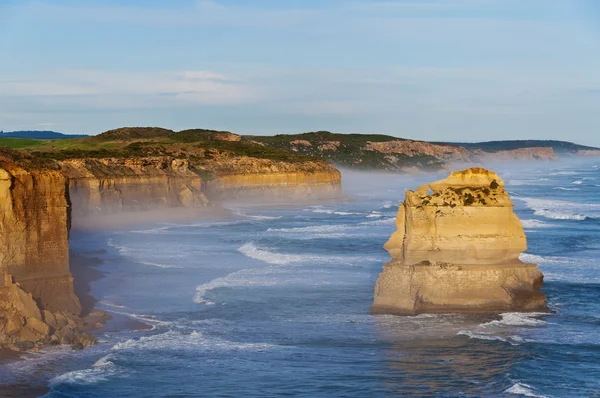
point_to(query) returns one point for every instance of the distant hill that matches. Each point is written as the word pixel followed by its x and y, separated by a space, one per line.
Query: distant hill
pixel 39 135
pixel 356 151
pixel 560 147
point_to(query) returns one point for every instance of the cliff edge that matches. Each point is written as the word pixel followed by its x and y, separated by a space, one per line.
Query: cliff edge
pixel 457 248
pixel 38 304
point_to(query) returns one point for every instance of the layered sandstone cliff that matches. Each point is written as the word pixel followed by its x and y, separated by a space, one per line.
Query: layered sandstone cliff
pixel 245 177
pixel 37 299
pixel 520 154
pixel 113 185
pixel 457 248
pixel 419 148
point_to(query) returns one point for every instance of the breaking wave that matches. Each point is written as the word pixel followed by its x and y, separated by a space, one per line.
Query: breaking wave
pixel 561 209
pixel 490 336
pixel 517 319
pixel 531 258
pixel 313 229
pixel 257 253
pixel 566 189
pixel 100 371
pixel 531 224
pixel 195 341
pixel 522 389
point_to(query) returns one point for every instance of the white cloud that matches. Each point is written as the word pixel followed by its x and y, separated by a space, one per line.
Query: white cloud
pixel 202 75
pixel 188 87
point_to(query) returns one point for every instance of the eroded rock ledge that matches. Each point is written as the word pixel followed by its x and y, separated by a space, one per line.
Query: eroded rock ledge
pixel 457 248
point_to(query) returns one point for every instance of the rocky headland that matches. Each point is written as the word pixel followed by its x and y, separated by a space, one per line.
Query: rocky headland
pixel 384 152
pixel 456 249
pixel 42 192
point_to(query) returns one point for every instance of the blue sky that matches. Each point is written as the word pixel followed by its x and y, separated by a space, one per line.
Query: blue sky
pixel 461 70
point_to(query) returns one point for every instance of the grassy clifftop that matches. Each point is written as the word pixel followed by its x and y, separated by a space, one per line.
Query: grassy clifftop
pixel 153 141
pixel 351 150
pixel 357 151
pixel 560 147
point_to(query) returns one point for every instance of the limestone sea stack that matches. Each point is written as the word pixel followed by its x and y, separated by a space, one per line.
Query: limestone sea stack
pixel 456 249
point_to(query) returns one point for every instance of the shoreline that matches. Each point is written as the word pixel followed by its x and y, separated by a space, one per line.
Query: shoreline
pixel 86 268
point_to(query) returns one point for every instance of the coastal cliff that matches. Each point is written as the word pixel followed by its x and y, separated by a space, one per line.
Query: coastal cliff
pixel 114 185
pixel 457 248
pixel 41 192
pixel 519 154
pixel 247 177
pixel 384 152
pixel 37 299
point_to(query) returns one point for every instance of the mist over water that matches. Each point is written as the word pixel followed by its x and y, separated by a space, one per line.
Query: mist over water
pixel 275 300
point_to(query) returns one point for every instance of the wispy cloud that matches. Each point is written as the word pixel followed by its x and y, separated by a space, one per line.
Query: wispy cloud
pixel 202 75
pixel 196 87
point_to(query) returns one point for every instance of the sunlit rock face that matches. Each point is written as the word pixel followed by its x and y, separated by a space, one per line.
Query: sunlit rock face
pixel 34 232
pixel 457 248
pixel 38 304
pixel 113 185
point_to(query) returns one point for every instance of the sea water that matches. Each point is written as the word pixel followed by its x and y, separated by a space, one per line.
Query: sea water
pixel 275 301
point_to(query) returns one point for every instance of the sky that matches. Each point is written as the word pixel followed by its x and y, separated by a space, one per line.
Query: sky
pixel 452 70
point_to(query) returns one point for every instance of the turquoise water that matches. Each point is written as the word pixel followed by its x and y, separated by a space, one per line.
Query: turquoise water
pixel 276 302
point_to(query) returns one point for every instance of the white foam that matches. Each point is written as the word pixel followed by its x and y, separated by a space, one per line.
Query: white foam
pixel 158 265
pixel 387 221
pixel 374 214
pixel 194 341
pixel 564 173
pixel 256 277
pixel 319 209
pixel 157 230
pixel 561 209
pixel 577 182
pixel 104 361
pixel 522 389
pixel 566 189
pixel 517 319
pixel 532 224
pixel 284 270
pixel 253 251
pixel 148 319
pixel 387 204
pixel 256 217
pixel 108 303
pixel 313 228
pixel 100 371
pixel 531 258
pixel 512 340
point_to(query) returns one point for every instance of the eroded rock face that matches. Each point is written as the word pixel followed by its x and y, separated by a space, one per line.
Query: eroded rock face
pixel 520 154
pixel 34 248
pixel 457 248
pixel 418 148
pixel 246 177
pixel 38 304
pixel 113 185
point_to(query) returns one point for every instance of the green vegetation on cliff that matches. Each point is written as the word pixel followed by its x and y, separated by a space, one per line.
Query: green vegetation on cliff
pixel 357 151
pixel 349 150
pixel 560 147
pixel 129 142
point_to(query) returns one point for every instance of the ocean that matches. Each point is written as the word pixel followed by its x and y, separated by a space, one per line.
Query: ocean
pixel 275 302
